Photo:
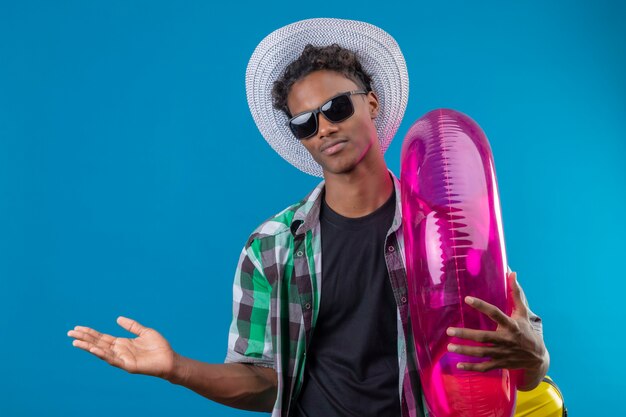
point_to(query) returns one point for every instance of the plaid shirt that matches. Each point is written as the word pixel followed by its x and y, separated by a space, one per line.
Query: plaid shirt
pixel 276 300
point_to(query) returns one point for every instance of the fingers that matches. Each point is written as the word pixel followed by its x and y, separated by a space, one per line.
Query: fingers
pixel 517 293
pixel 492 354
pixel 478 351
pixel 493 312
pixel 92 336
pixel 131 325
pixel 478 367
pixel 106 355
pixel 483 336
pixel 81 344
pixel 91 341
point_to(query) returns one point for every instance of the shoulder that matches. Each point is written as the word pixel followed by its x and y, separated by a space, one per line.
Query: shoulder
pixel 283 224
pixel 277 224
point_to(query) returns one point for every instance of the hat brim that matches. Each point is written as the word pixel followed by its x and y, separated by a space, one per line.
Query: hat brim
pixel 378 53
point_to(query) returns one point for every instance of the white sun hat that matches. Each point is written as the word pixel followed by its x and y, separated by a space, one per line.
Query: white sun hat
pixel 376 50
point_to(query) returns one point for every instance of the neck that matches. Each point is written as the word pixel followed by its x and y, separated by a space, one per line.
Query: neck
pixel 359 192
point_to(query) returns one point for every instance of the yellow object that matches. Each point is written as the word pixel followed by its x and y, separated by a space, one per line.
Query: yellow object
pixel 545 400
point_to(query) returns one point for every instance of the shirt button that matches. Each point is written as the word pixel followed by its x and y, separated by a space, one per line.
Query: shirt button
pixel 391 248
pixel 307 306
pixel 299 253
pixel 403 299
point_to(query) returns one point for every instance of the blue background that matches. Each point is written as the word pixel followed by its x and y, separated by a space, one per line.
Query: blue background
pixel 131 174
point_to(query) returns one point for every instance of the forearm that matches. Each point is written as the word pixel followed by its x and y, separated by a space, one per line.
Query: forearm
pixel 238 385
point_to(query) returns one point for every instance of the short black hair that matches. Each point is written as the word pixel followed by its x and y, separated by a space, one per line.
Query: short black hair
pixel 314 58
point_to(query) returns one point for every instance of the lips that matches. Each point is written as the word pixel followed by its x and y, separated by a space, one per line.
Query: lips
pixel 330 147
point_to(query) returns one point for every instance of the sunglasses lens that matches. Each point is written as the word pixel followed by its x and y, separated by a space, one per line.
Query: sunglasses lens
pixel 335 110
pixel 338 109
pixel 304 125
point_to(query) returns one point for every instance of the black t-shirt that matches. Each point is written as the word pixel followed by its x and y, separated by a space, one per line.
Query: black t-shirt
pixel 352 362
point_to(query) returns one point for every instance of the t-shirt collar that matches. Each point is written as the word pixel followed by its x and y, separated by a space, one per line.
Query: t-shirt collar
pixel 307 215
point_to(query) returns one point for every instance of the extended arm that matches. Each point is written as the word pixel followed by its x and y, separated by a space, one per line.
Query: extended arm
pixel 237 385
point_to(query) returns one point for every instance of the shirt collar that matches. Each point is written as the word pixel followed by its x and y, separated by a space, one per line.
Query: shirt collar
pixel 307 215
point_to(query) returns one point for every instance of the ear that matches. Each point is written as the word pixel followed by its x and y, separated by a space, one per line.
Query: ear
pixel 372 104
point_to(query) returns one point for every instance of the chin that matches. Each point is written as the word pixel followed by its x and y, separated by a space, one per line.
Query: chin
pixel 344 163
pixel 338 169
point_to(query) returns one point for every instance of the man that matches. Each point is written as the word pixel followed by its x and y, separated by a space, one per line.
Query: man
pixel 327 335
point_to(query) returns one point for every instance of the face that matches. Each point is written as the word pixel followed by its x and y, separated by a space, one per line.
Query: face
pixel 338 147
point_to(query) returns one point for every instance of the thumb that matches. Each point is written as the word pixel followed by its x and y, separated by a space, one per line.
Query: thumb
pixel 131 325
pixel 519 305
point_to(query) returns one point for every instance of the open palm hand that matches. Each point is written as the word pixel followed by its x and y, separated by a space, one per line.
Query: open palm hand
pixel 149 353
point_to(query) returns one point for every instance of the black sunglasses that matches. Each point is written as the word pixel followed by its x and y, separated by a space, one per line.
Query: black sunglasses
pixel 337 109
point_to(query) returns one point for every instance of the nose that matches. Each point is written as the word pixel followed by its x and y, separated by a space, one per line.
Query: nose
pixel 325 127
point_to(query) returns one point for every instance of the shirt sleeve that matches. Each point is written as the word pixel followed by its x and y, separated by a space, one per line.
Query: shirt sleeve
pixel 250 337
